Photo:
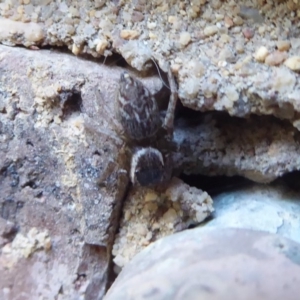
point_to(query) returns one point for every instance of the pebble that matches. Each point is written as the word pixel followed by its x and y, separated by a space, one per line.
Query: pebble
pixel 152 36
pixel 251 13
pixel 184 39
pixel 151 25
pixel 283 45
pixel 137 16
pixel 127 34
pixel 261 54
pixel 240 47
pixel 218 264
pixel 172 19
pixel 101 46
pixel 293 63
pixel 238 20
pixel 248 33
pixel 175 68
pixel 75 49
pixel 210 30
pixel 275 58
pixel 228 22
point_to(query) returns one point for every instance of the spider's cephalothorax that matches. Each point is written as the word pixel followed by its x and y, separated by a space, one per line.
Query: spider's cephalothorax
pixel 137 109
pixel 147 167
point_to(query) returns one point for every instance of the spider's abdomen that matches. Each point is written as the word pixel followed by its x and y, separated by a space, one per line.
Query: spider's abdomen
pixel 147 167
pixel 137 109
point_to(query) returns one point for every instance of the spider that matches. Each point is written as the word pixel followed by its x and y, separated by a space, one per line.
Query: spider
pixel 141 131
pixel 144 131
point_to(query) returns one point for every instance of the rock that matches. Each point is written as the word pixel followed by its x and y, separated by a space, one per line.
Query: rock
pixel 127 34
pixel 228 22
pixel 274 209
pixel 210 30
pixel 260 149
pixel 60 173
pixel 276 58
pixel 248 33
pixel 293 63
pixel 212 263
pixel 13 32
pixel 101 46
pixel 207 27
pixel 261 54
pixel 283 45
pixel 184 39
pixel 149 215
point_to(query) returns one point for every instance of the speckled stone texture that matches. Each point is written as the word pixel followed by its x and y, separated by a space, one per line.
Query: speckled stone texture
pixel 63 176
pixel 272 208
pixel 57 220
pixel 236 56
pixel 213 264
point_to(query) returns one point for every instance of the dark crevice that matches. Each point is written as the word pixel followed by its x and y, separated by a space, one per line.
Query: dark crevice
pixel 291 180
pixel 113 60
pixel 191 116
pixel 29 143
pixel 214 185
pixel 31 184
pixel 10 235
pixel 71 102
pixel 3 110
pixel 10 208
pixel 111 275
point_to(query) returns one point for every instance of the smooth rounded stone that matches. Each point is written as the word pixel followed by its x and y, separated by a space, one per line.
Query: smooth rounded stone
pixel 213 264
pixel 272 208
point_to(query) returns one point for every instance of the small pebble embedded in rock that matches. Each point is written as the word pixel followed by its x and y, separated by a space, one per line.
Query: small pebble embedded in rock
pixel 129 34
pixel 248 33
pixel 293 63
pixel 261 54
pixel 184 39
pixel 283 45
pixel 275 58
pixel 210 30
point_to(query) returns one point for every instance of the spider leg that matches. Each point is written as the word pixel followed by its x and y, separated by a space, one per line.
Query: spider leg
pixel 92 125
pixel 169 118
pixel 116 125
pixel 100 122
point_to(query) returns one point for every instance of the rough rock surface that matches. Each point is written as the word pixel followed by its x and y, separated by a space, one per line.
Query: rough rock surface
pixel 271 208
pixel 213 264
pixel 258 148
pixel 274 208
pixel 62 174
pixel 57 221
pixel 236 56
pixel 149 215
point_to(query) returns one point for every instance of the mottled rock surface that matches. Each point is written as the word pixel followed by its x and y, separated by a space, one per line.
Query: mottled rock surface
pixel 274 208
pixel 213 46
pixel 63 177
pixel 258 148
pixel 57 220
pixel 213 264
pixel 149 215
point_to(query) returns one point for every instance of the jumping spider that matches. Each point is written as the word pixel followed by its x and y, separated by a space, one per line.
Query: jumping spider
pixel 144 134
pixel 144 131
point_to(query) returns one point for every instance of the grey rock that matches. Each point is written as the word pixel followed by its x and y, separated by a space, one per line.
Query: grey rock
pixel 274 209
pixel 213 264
pixel 258 148
pixel 57 217
pixel 194 43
